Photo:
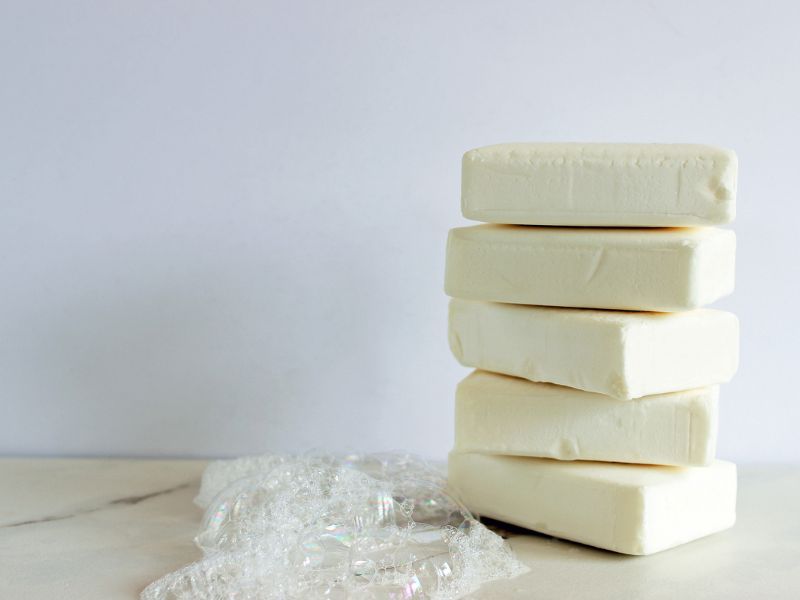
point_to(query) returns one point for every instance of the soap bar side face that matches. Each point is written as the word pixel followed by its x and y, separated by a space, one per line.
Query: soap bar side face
pixel 497 414
pixel 617 353
pixel 647 185
pixel 654 270
pixel 632 509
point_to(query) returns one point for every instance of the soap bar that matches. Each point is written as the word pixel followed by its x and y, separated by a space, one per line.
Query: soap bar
pixel 630 269
pixel 497 414
pixel 633 509
pixel 615 185
pixel 618 353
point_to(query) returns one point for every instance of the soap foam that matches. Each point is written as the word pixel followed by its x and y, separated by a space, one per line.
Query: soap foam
pixel 323 526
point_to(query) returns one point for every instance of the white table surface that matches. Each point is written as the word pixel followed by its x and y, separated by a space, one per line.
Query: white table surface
pixel 103 529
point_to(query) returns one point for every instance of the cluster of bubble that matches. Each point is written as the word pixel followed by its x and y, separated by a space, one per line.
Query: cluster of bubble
pixel 358 527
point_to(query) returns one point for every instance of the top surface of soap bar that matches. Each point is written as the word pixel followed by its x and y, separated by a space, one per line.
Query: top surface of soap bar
pixel 618 185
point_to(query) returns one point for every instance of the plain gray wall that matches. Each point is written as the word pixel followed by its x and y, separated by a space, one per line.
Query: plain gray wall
pixel 223 224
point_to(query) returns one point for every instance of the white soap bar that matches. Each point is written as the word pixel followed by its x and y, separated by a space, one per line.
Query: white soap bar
pixel 665 185
pixel 497 414
pixel 618 353
pixel 630 269
pixel 633 509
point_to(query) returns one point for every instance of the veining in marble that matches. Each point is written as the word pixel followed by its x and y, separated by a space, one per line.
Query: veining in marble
pixel 104 529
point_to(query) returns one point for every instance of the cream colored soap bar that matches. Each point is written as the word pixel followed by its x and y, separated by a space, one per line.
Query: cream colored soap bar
pixel 630 269
pixel 664 185
pixel 618 353
pixel 633 509
pixel 497 414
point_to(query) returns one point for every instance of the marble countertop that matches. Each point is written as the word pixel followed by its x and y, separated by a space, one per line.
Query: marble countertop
pixel 103 529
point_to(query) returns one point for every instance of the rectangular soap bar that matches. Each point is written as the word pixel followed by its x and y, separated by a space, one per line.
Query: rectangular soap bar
pixel 617 353
pixel 663 185
pixel 497 414
pixel 633 509
pixel 630 269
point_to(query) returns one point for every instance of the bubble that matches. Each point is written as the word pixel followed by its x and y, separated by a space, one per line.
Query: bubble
pixel 352 527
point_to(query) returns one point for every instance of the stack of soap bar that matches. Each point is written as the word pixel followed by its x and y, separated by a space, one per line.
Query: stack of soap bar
pixel 632 509
pixel 628 269
pixel 621 354
pixel 664 185
pixel 593 413
pixel 505 415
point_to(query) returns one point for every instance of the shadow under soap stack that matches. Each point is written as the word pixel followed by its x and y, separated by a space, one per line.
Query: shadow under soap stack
pixel 592 413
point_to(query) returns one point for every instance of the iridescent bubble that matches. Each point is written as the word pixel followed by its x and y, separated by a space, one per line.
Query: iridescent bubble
pixel 358 527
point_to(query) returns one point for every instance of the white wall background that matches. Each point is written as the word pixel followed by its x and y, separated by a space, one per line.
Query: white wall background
pixel 223 224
